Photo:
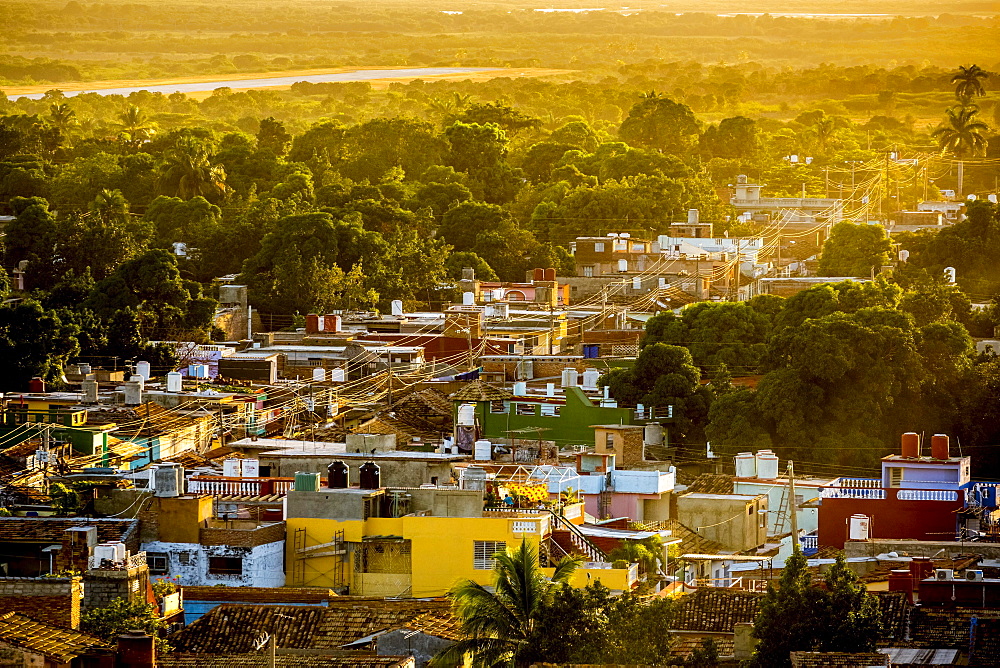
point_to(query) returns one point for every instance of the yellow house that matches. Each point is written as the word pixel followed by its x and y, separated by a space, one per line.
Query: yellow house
pixel 413 542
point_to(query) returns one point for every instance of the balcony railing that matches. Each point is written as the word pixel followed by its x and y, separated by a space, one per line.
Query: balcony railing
pixel 926 495
pixel 861 483
pixel 223 486
pixel 851 493
pixel 898 494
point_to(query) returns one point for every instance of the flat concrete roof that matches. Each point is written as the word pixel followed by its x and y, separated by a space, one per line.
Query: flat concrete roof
pixel 720 497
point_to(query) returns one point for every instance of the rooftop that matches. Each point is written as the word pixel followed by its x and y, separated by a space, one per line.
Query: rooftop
pixel 61 645
pixel 51 529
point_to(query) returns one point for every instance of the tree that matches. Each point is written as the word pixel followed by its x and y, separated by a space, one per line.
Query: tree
pixel 187 170
pixel 33 342
pixel 962 135
pixel 497 622
pixel 789 616
pixel 122 616
pixel 458 261
pixel 855 250
pixel 969 82
pixel 273 137
pixel 659 122
pixel 135 126
pixel 853 617
pixel 481 152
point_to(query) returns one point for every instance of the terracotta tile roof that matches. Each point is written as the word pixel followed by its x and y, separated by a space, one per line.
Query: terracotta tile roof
pixel 692 542
pixel 263 660
pixel 61 645
pixel 276 595
pixel 479 390
pixel 50 530
pixel 986 647
pixel 715 609
pixel 687 643
pixel 895 606
pixel 944 627
pixel 711 483
pixel 837 660
pixel 234 628
pixel 440 624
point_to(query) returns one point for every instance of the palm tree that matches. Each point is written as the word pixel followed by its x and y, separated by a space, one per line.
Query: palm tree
pixel 496 623
pixel 648 553
pixel 962 135
pixel 62 116
pixel 187 171
pixel 135 126
pixel 969 82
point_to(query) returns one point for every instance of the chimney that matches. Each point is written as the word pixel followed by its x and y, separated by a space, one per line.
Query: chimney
pixel 136 649
pixel 77 545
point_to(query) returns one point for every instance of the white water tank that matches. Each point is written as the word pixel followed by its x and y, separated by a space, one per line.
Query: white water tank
pixel 319 374
pixel 89 391
pixel 767 465
pixel 232 468
pixel 397 307
pixel 550 389
pixel 337 375
pixel 169 479
pixel 136 378
pixel 637 282
pixel 111 552
pixel 622 266
pixel 520 389
pixel 570 377
pixel 251 468
pixel 590 378
pixel 482 451
pixel 175 381
pixel 142 369
pixel 693 216
pixel 133 393
pixel 474 477
pixel 652 434
pixel 746 465
pixel 858 527
pixel 467 415
pixel 468 299
pixel 84 368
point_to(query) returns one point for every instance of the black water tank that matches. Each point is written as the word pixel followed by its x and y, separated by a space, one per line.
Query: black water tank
pixel 369 475
pixel 337 475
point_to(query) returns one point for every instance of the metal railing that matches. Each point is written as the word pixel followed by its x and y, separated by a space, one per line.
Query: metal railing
pixel 558 522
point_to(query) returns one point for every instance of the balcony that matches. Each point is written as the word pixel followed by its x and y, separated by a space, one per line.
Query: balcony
pixel 223 486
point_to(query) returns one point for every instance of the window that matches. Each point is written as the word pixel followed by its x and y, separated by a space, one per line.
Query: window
pixel 483 551
pixel 609 441
pixel 497 407
pixel 895 476
pixel 157 562
pixel 225 565
pixel 588 271
pixel 525 409
pixel 599 247
pixel 184 558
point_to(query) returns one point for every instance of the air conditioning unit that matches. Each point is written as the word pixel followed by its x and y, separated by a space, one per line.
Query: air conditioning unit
pixel 974 576
pixel 944 574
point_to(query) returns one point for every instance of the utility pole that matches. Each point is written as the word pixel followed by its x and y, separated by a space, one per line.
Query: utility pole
pixel 388 353
pixel 552 326
pixel 794 506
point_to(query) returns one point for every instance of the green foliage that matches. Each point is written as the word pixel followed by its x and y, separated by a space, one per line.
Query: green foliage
pixel 855 250
pixel 33 342
pixel 497 623
pixel 121 617
pixel 660 123
pixel 796 616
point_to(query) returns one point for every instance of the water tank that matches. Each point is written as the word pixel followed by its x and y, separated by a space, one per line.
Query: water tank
pixel 520 389
pixel 949 274
pixel 693 216
pixel 570 377
pixel 111 552
pixel 467 415
pixel 333 322
pixel 939 446
pixel 175 381
pixel 142 369
pixel 250 468
pixel 89 391
pixel 369 476
pixel 169 479
pixel 767 465
pixel 337 375
pixel 397 307
pixel 474 477
pixel 858 527
pixel 652 434
pixel 338 475
pixel 637 282
pixel 133 393
pixel 84 368
pixel 550 275
pixel 468 299
pixel 538 274
pixel 550 389
pixel 232 468
pixel 746 465
pixel 623 265
pixel 911 445
pixel 482 451
pixel 590 378
pixel 319 374
pixel 36 384
pixel 306 482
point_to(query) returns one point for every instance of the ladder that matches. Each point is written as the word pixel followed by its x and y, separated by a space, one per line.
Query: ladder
pixel 782 515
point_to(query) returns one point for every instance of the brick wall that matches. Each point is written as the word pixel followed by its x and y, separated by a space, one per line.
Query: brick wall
pixel 55 601
pixel 269 533
pixel 632 449
pixel 103 586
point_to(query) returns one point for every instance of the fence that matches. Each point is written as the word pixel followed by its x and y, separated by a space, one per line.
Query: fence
pixel 222 486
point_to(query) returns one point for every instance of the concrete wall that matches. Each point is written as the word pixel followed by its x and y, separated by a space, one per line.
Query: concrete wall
pixel 101 586
pixel 348 504
pixel 920 548
pixel 733 521
pixel 420 646
pixel 263 565
pixel 393 472
pixel 891 517
pixel 808 518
